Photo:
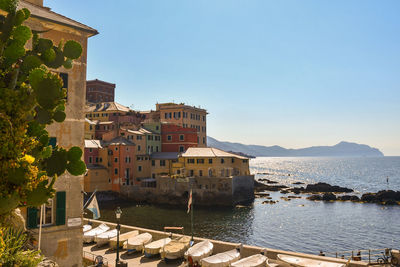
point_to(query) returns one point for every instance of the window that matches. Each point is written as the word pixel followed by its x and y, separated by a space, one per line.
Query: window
pixel 47 218
pixel 169 138
pixel 90 150
pixel 200 173
pixel 97 159
pixel 156 148
pixel 204 140
pixel 200 161
pixel 115 159
pixel 233 160
pixel 190 161
pixel 222 161
pixel 101 159
pixel 162 162
pixel 181 137
pixel 116 171
pixel 181 148
pixel 138 147
pixel 64 78
pixel 127 149
pixel 139 168
pixel 109 180
pixel 209 161
pixel 116 148
pixel 90 159
pixel 245 161
pixel 191 172
pixel 153 163
pixel 127 159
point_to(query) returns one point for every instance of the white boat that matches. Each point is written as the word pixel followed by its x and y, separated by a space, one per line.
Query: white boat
pixel 88 237
pixel 87 227
pixel 122 238
pixel 176 248
pixel 102 239
pixel 138 242
pixel 199 251
pixel 257 260
pixel 222 259
pixel 304 262
pixel 154 247
pixel 270 264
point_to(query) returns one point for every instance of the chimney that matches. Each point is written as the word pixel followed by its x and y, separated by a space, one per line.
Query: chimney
pixel 36 2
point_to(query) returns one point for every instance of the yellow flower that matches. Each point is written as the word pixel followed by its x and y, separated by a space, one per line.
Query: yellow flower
pixel 29 159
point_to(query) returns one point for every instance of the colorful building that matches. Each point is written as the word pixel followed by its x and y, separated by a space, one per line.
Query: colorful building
pixel 175 138
pixel 61 238
pixel 105 111
pixel 164 163
pixel 90 127
pixel 186 117
pixel 99 91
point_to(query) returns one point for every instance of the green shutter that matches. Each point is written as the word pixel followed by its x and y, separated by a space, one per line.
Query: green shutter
pixel 60 208
pixel 31 214
pixel 53 141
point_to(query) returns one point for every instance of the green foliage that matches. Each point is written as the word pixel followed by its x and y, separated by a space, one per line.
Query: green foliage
pixel 13 252
pixel 31 98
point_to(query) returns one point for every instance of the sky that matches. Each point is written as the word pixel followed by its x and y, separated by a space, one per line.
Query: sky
pixel 288 72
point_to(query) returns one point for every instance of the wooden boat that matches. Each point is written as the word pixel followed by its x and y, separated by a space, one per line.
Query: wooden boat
pixel 270 264
pixel 87 227
pixel 176 248
pixel 257 260
pixel 304 262
pixel 154 247
pixel 222 259
pixel 138 242
pixel 102 239
pixel 122 238
pixel 88 236
pixel 199 251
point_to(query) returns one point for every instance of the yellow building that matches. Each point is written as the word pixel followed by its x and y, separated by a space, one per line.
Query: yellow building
pixel 187 117
pixel 90 129
pixel 104 110
pixel 212 162
pixel 165 163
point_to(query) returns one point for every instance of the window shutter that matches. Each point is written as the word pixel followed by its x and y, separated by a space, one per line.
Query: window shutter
pixel 60 208
pixel 31 214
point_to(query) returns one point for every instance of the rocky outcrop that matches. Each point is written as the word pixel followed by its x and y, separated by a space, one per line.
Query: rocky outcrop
pixel 324 187
pixel 328 197
pixel 388 197
pixel 348 198
pixel 315 197
pixel 259 187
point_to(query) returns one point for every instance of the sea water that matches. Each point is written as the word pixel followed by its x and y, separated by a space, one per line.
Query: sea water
pixel 297 225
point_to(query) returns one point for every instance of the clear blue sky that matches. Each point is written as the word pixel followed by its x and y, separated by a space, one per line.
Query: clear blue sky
pixel 290 73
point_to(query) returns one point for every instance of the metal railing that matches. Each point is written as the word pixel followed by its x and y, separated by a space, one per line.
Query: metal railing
pixel 367 255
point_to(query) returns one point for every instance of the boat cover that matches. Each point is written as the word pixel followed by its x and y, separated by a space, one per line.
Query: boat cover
pixel 176 248
pixel 155 246
pixel 304 262
pixel 122 238
pixel 89 235
pixel 87 227
pixel 138 242
pixel 103 238
pixel 221 259
pixel 257 260
pixel 200 250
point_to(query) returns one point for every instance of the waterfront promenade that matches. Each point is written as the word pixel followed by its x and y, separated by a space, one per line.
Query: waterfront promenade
pixel 219 246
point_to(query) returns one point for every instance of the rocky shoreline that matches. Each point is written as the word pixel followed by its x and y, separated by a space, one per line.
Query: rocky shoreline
pixel 324 192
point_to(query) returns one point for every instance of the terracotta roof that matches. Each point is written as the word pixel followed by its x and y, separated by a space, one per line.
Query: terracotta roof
pixel 132 131
pixel 119 140
pixel 93 144
pixel 106 106
pixel 208 152
pixel 46 14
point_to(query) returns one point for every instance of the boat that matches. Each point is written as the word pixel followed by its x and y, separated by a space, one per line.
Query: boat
pixel 304 262
pixel 122 238
pixel 88 236
pixel 102 239
pixel 138 242
pixel 257 260
pixel 87 227
pixel 222 259
pixel 176 248
pixel 270 264
pixel 154 247
pixel 199 251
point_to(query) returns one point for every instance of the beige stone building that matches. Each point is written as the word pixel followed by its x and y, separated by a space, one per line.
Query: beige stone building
pixel 62 221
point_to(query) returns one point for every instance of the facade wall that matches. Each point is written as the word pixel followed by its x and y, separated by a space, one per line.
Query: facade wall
pixel 187 117
pixel 89 130
pixel 97 178
pixel 121 159
pixel 142 169
pixel 136 137
pixel 104 127
pixel 91 156
pixel 99 91
pixel 175 138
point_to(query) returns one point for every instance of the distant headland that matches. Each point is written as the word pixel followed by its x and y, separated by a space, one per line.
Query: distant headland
pixel 342 149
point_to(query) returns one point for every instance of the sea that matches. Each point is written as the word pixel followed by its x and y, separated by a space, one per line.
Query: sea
pixel 297 225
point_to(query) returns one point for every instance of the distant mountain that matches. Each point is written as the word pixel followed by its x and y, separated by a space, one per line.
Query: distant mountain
pixel 343 149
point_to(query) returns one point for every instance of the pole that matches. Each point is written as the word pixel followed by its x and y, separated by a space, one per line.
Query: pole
pixel 117 259
pixel 191 212
pixel 40 225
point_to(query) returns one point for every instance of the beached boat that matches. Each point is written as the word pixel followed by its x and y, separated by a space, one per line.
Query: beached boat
pixel 87 227
pixel 138 242
pixel 122 238
pixel 176 248
pixel 257 260
pixel 154 247
pixel 304 262
pixel 102 239
pixel 271 264
pixel 199 251
pixel 222 259
pixel 88 237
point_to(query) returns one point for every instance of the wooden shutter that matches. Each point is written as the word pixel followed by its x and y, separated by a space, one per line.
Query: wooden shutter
pixel 60 207
pixel 31 214
pixel 53 141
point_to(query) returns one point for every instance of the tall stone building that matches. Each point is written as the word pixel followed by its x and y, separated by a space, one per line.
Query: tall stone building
pixel 185 116
pixel 61 238
pixel 99 91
